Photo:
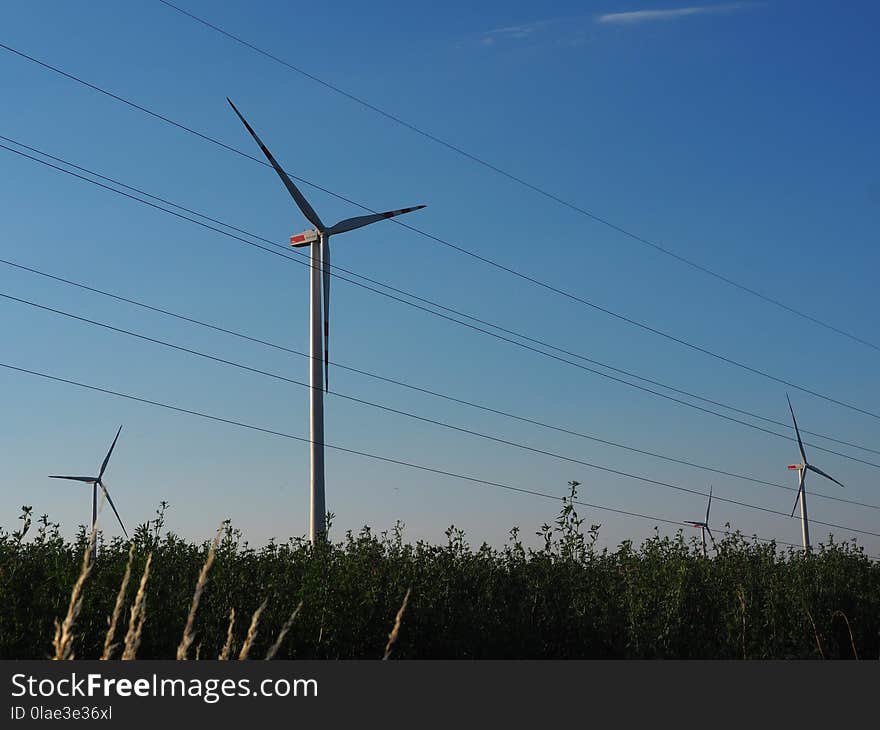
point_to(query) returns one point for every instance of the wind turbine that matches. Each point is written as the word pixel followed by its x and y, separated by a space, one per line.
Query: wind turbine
pixel 96 482
pixel 704 527
pixel 318 238
pixel 802 470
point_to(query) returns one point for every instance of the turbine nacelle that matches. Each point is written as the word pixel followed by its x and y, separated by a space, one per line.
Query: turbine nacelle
pixel 305 238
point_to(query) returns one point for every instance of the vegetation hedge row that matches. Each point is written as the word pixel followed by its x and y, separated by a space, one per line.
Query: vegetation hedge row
pixel 567 599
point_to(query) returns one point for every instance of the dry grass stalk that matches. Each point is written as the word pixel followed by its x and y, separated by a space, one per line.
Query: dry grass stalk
pixel 321 631
pixel 138 614
pixel 227 647
pixel 63 641
pixel 188 633
pixel 815 633
pixel 252 631
pixel 392 637
pixel 742 603
pixel 273 650
pixel 848 628
pixel 109 646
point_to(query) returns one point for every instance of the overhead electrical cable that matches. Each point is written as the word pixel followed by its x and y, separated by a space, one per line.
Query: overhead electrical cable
pixel 283 251
pixel 416 297
pixel 428 391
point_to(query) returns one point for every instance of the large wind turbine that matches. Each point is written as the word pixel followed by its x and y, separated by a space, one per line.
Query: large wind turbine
pixel 319 240
pixel 704 526
pixel 802 470
pixel 96 482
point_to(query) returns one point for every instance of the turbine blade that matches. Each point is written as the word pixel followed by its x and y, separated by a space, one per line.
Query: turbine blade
pixel 107 458
pixel 307 210
pixel 325 265
pixel 796 430
pixel 349 224
pixel 107 495
pixel 798 495
pixel 712 538
pixel 709 506
pixel 87 480
pixel 119 519
pixel 822 473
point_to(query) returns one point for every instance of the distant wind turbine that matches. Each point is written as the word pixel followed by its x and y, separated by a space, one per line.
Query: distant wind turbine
pixel 96 482
pixel 318 239
pixel 802 470
pixel 704 527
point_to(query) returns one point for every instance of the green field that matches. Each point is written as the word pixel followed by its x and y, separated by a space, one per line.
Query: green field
pixel 567 599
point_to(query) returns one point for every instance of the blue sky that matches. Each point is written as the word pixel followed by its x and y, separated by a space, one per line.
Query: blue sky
pixel 740 135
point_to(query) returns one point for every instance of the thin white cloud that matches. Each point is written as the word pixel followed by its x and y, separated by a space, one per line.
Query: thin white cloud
pixel 564 32
pixel 643 16
pixel 516 32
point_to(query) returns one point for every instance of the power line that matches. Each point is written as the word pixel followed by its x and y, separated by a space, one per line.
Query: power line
pixel 424 390
pixel 424 300
pixel 304 261
pixel 365 454
pixel 463 250
pixel 443 316
pixel 430 302
pixel 423 419
pixel 525 183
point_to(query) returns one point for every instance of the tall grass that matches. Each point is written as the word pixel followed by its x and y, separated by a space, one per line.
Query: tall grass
pixel 138 615
pixel 395 630
pixel 63 641
pixel 109 646
pixel 188 633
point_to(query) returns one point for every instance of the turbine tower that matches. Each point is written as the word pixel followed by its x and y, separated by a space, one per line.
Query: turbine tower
pixel 318 238
pixel 802 470
pixel 96 482
pixel 704 527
